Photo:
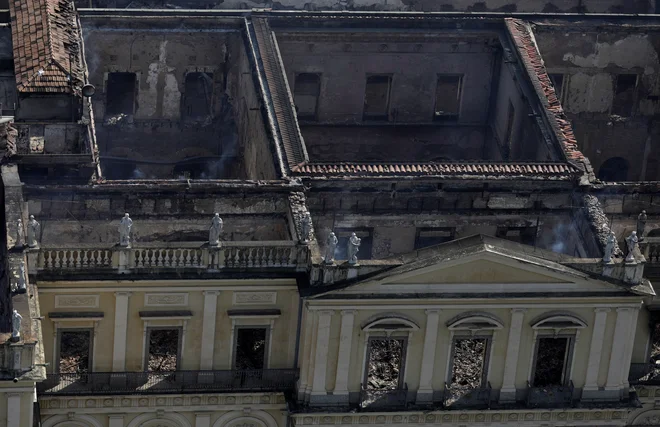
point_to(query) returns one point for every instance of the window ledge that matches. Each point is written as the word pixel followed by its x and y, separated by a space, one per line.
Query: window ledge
pixel 161 315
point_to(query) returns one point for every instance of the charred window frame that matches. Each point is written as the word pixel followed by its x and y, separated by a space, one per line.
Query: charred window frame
pixel 549 351
pixel 560 82
pixel 448 96
pixel 377 95
pixel 120 93
pixel 430 236
pixel 158 333
pixel 625 94
pixel 306 93
pixel 240 344
pixel 366 244
pixel 382 343
pixel 66 338
pixel 457 341
pixel 197 102
pixel 524 235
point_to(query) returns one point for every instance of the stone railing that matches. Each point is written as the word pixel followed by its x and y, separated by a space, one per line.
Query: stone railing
pixel 185 255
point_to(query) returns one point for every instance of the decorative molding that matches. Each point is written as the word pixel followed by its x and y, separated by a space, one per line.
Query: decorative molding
pixel 165 299
pixel 76 301
pixel 254 298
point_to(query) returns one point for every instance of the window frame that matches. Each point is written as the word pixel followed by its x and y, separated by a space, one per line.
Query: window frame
pixel 179 351
pixel 373 117
pixel 184 97
pixel 567 370
pixel 136 90
pixel 459 95
pixel 634 99
pixel 487 355
pixel 315 115
pixel 268 335
pixel 58 349
pixel 401 382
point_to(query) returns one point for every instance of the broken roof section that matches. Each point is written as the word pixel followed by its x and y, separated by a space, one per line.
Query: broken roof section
pixel 46 43
pixel 499 69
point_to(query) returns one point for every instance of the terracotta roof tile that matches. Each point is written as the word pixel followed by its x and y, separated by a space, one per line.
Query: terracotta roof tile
pixel 46 46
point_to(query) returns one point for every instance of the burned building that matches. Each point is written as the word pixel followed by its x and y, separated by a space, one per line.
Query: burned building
pixel 265 217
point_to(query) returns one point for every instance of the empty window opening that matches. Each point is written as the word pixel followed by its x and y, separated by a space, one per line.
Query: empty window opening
pixel 508 138
pixel 120 93
pixel 250 348
pixel 198 96
pixel 468 368
pixel 524 235
pixel 306 95
pixel 614 169
pixel 385 362
pixel 164 346
pixel 377 97
pixel 624 94
pixel 448 97
pixel 75 351
pixel 558 83
pixel 552 361
pixel 366 242
pixel 433 236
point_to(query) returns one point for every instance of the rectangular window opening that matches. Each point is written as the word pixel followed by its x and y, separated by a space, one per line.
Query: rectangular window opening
pixel 558 83
pixel 75 350
pixel 306 95
pixel 120 93
pixel 164 350
pixel 377 97
pixel 198 95
pixel 366 243
pixel 385 362
pixel 524 235
pixel 624 95
pixel 251 348
pixel 434 236
pixel 448 97
pixel 551 361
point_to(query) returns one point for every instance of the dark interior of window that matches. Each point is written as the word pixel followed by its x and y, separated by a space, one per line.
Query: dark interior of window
pixel 366 242
pixel 377 97
pixel 551 360
pixel 198 96
pixel 163 350
pixel 614 169
pixel 250 348
pixel 624 95
pixel 385 364
pixel 75 351
pixel 306 94
pixel 558 83
pixel 120 93
pixel 447 98
pixel 433 236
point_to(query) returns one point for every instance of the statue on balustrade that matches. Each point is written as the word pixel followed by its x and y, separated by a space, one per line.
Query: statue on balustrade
pixel 125 231
pixel 215 230
pixel 21 283
pixel 306 228
pixel 16 326
pixel 631 242
pixel 330 248
pixel 20 234
pixel 33 232
pixel 609 248
pixel 641 225
pixel 353 248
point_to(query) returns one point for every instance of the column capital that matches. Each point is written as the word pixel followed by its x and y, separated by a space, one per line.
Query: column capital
pixel 116 416
pixel 602 309
pixel 326 312
pixel 211 293
pixel 625 309
pixel 430 311
pixel 348 312
pixel 123 293
pixel 518 310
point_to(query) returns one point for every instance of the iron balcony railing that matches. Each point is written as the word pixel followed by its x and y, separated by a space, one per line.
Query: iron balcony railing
pixel 456 396
pixel 271 380
pixel 372 399
pixel 550 396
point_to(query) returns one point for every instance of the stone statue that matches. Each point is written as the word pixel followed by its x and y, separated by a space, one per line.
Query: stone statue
pixel 20 234
pixel 215 230
pixel 306 228
pixel 330 248
pixel 353 248
pixel 125 231
pixel 609 248
pixel 631 242
pixel 33 232
pixel 16 326
pixel 21 284
pixel 641 225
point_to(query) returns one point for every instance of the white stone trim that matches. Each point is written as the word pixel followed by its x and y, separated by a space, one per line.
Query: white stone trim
pixel 263 417
pixel 171 322
pixel 83 420
pixel 321 352
pixel 596 349
pixel 619 345
pixel 76 301
pixel 344 355
pixel 170 299
pixel 513 350
pixel 13 416
pixel 178 419
pixel 254 298
pixel 88 322
pixel 443 305
pixel 256 321
pixel 428 352
pixel 208 330
pixel 120 331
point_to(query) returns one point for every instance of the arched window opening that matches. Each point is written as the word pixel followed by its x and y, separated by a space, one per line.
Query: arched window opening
pixel 614 169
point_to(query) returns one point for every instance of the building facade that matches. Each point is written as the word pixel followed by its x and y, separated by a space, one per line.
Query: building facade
pixel 262 218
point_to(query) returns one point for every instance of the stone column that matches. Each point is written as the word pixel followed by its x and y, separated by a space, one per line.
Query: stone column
pixel 208 330
pixel 121 325
pixel 116 420
pixel 632 329
pixel 202 420
pixel 344 357
pixel 425 392
pixel 321 356
pixel 13 410
pixel 595 353
pixel 618 356
pixel 508 392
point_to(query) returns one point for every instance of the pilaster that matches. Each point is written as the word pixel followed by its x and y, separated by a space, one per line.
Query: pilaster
pixel 321 355
pixel 13 410
pixel 208 330
pixel 121 326
pixel 344 356
pixel 619 345
pixel 425 392
pixel 508 392
pixel 595 353
pixel 202 420
pixel 116 420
